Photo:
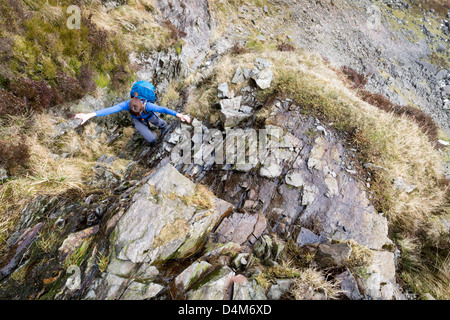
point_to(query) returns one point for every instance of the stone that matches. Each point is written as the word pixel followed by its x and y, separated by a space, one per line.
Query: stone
pixel 191 274
pixel 218 249
pixel 231 118
pixel 65 126
pixel 231 104
pixel 243 289
pixel 216 286
pixel 152 230
pixel 268 248
pixel 246 109
pixel 241 227
pixel 332 186
pixel 18 249
pixel 349 286
pixel 295 178
pixel 246 72
pixel 263 247
pixel 316 155
pixel 141 291
pixel 402 185
pixel 3 175
pixel 262 63
pixel 263 79
pixel 380 273
pixel 176 136
pixel 310 193
pixel 241 260
pixel 230 113
pixel 333 255
pixel 442 74
pixel 446 89
pixel 441 48
pixel 238 76
pixel 428 66
pixel 75 240
pixel 270 170
pixel 254 72
pixel 307 237
pixel 279 288
pixel 222 90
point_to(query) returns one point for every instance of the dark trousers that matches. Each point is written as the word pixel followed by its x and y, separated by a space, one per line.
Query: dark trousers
pixel 143 128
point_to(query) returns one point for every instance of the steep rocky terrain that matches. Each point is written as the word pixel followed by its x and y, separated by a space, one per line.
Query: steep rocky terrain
pixel 298 214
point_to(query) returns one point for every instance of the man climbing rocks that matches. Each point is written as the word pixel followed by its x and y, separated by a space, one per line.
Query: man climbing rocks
pixel 141 112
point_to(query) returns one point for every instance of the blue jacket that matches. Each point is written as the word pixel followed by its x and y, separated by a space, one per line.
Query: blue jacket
pixel 149 107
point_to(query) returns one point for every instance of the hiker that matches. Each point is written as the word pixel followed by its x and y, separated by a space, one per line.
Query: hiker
pixel 142 110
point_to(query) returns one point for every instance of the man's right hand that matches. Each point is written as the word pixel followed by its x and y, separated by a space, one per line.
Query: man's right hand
pixel 184 118
pixel 84 116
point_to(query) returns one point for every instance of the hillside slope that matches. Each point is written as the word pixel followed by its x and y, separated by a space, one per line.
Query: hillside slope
pixel 356 208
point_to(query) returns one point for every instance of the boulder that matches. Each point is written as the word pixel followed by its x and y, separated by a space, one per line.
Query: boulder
pixel 238 76
pixel 231 104
pixel 333 255
pixel 264 78
pixel 349 286
pixel 159 225
pixel 232 113
pixel 231 118
pixel 222 90
pixel 377 280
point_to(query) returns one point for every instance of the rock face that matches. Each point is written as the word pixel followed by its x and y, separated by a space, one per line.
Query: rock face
pixel 311 185
pixel 158 235
pixel 158 226
pixel 205 229
pixel 193 18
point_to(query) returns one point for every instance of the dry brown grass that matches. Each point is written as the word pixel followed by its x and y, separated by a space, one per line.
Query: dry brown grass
pixel 46 174
pixel 136 24
pixel 202 198
pixel 312 285
pixel 441 7
pixel 425 122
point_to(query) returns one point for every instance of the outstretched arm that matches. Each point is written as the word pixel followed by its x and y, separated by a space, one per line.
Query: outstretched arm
pixel 118 107
pixel 155 107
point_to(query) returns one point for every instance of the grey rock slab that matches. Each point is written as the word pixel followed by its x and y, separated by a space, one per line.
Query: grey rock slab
pixel 264 78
